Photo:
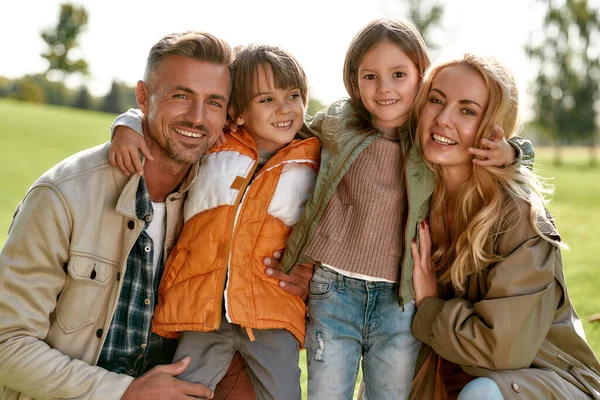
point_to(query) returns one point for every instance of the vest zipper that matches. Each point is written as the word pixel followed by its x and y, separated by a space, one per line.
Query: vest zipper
pixel 231 229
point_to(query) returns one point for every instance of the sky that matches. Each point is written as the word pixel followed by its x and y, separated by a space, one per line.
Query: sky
pixel 317 32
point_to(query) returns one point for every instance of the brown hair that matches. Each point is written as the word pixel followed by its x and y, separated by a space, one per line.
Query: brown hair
pixel 200 46
pixel 401 33
pixel 287 73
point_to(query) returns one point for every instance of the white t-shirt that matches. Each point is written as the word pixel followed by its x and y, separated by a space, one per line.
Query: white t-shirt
pixel 157 230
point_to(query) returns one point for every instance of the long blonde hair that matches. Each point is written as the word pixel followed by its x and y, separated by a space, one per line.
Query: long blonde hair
pixel 468 247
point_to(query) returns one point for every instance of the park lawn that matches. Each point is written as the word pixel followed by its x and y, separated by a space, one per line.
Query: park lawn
pixel 35 137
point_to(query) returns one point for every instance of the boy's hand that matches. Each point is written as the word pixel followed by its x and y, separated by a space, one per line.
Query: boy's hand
pixel 297 283
pixel 494 153
pixel 124 151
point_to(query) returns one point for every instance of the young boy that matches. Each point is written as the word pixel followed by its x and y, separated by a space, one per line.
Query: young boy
pixel 254 188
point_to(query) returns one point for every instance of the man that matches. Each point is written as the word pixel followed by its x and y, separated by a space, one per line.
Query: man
pixel 79 270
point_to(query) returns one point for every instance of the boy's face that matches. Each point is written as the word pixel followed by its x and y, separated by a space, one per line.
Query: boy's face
pixel 274 116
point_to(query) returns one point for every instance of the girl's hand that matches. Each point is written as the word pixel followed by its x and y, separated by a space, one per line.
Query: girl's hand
pixel 424 277
pixel 124 151
pixel 496 152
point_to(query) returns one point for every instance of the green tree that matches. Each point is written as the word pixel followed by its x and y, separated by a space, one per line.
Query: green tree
pixel 63 38
pixel 567 89
pixel 112 102
pixel 425 14
pixel 84 99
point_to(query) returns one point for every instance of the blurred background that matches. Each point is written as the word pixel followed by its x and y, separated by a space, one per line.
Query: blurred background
pixel 67 69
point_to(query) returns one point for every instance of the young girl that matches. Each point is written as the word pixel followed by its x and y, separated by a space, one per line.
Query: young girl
pixel 502 324
pixel 362 300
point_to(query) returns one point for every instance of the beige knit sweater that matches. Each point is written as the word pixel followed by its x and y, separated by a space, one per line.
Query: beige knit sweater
pixel 362 225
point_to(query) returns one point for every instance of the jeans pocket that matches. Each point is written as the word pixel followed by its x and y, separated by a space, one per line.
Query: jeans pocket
pixel 320 287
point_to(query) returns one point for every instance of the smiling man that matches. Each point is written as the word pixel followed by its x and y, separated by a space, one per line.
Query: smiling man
pixel 80 269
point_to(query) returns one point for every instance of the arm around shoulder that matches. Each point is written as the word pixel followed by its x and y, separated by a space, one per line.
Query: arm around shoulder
pixel 132 118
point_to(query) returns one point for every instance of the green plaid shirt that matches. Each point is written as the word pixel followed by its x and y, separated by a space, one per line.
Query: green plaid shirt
pixel 130 347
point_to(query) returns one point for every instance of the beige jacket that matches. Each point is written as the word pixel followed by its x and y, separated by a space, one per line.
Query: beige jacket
pixel 515 324
pixel 78 217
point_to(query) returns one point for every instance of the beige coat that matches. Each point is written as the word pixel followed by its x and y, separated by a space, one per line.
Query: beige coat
pixel 515 324
pixel 78 217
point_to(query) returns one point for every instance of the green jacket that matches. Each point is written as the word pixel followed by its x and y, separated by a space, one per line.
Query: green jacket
pixel 341 144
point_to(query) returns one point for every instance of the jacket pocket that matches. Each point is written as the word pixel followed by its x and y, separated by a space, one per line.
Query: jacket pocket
pixel 83 294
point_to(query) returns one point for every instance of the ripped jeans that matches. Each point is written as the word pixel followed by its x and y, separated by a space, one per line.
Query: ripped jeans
pixel 349 318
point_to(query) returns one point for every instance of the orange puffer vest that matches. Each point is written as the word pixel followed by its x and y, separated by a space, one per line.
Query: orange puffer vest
pixel 233 221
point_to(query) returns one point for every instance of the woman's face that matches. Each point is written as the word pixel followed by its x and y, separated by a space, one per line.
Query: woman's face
pixel 452 115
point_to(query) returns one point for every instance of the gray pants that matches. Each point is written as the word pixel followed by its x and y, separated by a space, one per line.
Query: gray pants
pixel 271 359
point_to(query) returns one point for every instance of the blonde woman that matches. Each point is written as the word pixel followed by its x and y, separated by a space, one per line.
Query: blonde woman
pixel 491 297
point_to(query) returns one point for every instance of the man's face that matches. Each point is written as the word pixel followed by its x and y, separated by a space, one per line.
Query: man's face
pixel 186 107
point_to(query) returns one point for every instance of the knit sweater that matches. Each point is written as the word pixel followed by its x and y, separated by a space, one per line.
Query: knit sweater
pixel 360 228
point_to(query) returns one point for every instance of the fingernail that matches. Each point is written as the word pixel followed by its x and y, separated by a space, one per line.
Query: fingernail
pixel 269 271
pixel 267 261
pixel 277 254
pixel 281 283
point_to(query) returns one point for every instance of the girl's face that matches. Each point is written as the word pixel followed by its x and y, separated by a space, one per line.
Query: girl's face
pixel 387 83
pixel 451 117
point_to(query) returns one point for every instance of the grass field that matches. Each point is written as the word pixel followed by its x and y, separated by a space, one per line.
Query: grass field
pixel 33 138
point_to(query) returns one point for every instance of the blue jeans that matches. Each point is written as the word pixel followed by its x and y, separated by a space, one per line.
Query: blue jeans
pixel 349 318
pixel 481 388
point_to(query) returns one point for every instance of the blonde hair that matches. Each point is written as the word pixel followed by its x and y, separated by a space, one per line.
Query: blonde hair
pixel 488 192
pixel 401 33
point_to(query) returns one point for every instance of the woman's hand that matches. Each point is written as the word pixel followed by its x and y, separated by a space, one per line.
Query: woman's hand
pixel 495 151
pixel 125 151
pixel 424 277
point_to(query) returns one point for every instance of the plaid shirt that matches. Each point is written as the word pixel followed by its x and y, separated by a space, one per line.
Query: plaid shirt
pixel 130 347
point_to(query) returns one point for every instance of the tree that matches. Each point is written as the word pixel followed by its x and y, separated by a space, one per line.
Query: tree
pixel 112 102
pixel 567 89
pixel 84 99
pixel 63 38
pixel 425 14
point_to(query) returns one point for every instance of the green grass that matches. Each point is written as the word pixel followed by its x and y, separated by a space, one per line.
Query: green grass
pixel 35 137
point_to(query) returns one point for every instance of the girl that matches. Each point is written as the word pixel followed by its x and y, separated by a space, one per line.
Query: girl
pixel 501 322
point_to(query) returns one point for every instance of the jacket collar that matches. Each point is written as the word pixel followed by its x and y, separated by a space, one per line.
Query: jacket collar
pixel 126 203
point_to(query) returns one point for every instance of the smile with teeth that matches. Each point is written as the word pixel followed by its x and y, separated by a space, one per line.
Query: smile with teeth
pixel 442 140
pixel 386 102
pixel 187 133
pixel 282 124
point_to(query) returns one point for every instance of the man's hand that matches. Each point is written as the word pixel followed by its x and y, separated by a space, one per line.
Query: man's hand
pixel 297 283
pixel 160 384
